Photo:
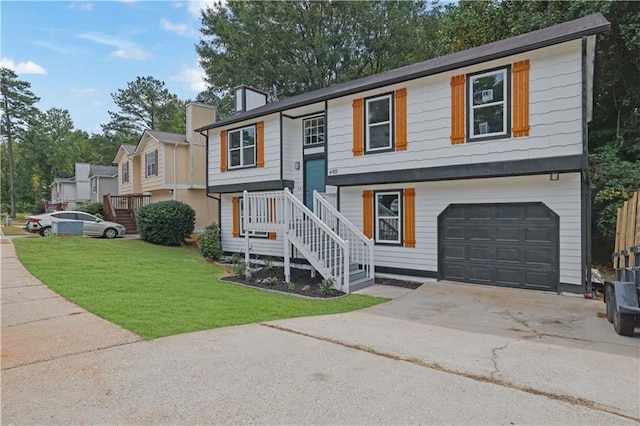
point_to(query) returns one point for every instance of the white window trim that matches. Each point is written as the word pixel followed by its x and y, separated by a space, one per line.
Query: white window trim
pixel 504 102
pixel 316 126
pixel 399 217
pixel 241 147
pixel 259 234
pixel 148 164
pixel 388 122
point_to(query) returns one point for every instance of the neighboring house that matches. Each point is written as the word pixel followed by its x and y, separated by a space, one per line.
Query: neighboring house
pixel 165 166
pixel 104 180
pixel 74 191
pixel 470 167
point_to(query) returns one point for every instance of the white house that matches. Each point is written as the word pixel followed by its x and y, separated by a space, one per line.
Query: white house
pixel 469 167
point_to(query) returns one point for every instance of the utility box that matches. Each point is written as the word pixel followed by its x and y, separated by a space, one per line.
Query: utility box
pixel 67 227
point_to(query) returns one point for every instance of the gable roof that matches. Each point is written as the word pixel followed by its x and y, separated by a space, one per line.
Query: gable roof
pixel 545 37
pixel 165 137
pixel 104 171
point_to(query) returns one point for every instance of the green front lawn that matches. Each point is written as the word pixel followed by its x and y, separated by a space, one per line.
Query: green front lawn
pixel 157 291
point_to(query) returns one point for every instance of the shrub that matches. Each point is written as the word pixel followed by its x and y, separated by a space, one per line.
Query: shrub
pixel 166 223
pixel 209 242
pixel 240 269
pixel 95 209
pixel 326 285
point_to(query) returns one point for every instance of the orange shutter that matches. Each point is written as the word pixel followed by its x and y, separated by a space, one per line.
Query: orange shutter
pixel 357 127
pixel 457 109
pixel 272 235
pixel 401 119
pixel 409 196
pixel 260 147
pixel 236 216
pixel 223 151
pixel 367 213
pixel 521 99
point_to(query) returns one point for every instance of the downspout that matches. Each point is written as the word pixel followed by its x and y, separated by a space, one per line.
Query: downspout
pixel 175 172
pixel 586 185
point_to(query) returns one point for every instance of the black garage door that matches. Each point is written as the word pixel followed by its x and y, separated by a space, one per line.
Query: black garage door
pixel 513 245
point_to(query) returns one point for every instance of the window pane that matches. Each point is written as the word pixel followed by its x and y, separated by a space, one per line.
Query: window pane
pixel 379 136
pixel 378 110
pixel 388 229
pixel 248 136
pixel 248 156
pixel 234 139
pixel 488 89
pixel 234 159
pixel 388 205
pixel 489 119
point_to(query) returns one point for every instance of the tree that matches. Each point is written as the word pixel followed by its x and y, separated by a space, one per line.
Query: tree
pixel 144 105
pixel 291 47
pixel 17 109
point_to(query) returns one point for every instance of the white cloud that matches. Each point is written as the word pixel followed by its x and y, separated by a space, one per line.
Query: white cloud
pixel 84 91
pixel 194 7
pixel 180 29
pixel 81 5
pixel 193 76
pixel 124 49
pixel 28 67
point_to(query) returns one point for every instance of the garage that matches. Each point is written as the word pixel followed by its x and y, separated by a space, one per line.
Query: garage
pixel 514 245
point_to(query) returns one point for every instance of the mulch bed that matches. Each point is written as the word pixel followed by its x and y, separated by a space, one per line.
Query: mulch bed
pixel 301 282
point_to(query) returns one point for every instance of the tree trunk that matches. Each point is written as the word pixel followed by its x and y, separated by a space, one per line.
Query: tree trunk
pixel 12 189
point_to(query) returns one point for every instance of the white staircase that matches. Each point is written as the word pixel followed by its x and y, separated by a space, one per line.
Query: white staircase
pixel 327 252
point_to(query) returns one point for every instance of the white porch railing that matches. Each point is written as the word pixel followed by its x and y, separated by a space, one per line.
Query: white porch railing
pixel 331 197
pixel 320 245
pixel 361 248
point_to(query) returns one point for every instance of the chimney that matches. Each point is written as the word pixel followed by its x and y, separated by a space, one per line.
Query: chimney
pixel 198 115
pixel 247 98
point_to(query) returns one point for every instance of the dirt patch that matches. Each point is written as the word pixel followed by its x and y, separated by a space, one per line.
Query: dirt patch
pixel 272 278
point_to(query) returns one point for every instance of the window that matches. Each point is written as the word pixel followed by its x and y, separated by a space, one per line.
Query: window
pixel 241 221
pixel 151 162
pixel 313 129
pixel 388 222
pixel 94 185
pixel 125 172
pixel 379 123
pixel 489 104
pixel 242 147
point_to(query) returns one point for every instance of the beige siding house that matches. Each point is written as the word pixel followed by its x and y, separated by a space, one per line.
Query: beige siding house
pixel 167 166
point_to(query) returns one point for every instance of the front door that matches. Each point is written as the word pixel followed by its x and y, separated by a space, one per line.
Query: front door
pixel 313 179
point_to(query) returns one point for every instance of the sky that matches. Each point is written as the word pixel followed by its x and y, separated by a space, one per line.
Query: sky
pixel 76 54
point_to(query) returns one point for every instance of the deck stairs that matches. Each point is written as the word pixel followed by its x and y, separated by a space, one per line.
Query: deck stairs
pixel 317 237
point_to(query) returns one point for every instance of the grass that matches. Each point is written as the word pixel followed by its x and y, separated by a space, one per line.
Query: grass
pixel 13 230
pixel 157 291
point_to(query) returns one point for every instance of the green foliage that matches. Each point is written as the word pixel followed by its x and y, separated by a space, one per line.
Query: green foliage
pixel 308 45
pixel 240 269
pixel 291 286
pixel 326 285
pixel 209 242
pixel 268 281
pixel 166 222
pixel 146 105
pixel 95 209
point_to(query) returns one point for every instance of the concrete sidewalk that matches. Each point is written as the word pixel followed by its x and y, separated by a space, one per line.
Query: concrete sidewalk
pixel 38 324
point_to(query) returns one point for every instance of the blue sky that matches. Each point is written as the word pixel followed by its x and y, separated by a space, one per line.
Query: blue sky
pixel 75 54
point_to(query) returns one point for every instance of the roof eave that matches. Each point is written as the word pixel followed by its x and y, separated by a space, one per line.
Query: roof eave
pixel 516 49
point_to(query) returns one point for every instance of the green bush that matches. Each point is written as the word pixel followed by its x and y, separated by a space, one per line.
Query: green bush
pixel 95 209
pixel 165 223
pixel 209 242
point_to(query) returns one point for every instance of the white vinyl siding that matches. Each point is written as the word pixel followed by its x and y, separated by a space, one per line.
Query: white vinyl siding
pixel 555 117
pixel 562 196
pixel 271 169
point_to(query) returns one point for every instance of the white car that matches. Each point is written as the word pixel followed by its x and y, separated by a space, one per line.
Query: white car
pixel 92 226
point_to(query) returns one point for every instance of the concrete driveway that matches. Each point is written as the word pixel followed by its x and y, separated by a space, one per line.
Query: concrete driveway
pixel 445 353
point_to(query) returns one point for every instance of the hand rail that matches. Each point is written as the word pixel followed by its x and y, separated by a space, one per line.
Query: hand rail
pixel 362 247
pixel 280 210
pixel 107 208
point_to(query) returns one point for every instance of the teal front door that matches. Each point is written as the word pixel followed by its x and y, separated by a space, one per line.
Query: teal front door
pixel 313 179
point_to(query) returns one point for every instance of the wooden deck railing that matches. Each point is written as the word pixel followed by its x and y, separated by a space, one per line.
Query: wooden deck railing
pixel 130 202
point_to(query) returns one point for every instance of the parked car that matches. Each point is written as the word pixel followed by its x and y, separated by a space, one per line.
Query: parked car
pixel 92 226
